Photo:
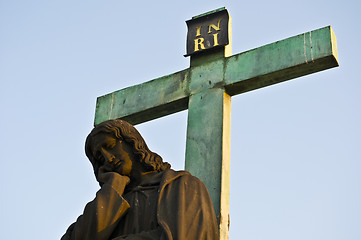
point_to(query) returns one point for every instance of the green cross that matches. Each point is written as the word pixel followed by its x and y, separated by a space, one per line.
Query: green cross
pixel 205 89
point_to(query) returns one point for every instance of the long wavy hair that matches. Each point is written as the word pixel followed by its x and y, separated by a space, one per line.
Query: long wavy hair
pixel 125 131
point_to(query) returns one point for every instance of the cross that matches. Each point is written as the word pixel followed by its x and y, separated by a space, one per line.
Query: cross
pixel 205 89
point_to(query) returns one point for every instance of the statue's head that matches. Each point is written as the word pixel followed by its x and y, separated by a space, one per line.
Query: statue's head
pixel 121 132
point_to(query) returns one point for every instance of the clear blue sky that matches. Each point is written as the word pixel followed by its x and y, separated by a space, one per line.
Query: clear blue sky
pixel 295 156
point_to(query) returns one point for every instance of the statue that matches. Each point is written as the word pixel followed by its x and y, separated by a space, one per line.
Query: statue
pixel 140 196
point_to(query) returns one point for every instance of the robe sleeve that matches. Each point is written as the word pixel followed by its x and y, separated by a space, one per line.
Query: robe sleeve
pixel 100 216
pixel 185 210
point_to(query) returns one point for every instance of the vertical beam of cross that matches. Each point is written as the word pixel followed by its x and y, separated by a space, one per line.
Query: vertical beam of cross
pixel 208 148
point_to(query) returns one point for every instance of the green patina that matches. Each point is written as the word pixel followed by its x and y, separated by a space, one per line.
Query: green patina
pixel 204 140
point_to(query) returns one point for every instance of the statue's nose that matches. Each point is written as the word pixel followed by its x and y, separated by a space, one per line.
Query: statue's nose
pixel 107 156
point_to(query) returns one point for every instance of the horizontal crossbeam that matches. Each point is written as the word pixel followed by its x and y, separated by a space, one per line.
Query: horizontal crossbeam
pixel 147 101
pixel 270 64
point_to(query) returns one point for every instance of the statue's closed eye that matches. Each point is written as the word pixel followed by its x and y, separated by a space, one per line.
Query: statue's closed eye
pixel 99 157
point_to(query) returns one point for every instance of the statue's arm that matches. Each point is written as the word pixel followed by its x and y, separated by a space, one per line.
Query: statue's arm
pixel 101 215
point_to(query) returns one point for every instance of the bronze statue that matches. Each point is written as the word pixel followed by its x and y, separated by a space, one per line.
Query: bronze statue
pixel 140 196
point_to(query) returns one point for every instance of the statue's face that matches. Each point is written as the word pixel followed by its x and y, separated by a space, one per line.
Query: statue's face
pixel 113 152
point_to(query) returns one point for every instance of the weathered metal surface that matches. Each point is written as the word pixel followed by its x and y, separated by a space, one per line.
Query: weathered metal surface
pixel 208 147
pixel 280 61
pixel 147 101
pixel 208 75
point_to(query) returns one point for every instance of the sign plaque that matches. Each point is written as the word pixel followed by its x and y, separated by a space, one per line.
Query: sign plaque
pixel 207 31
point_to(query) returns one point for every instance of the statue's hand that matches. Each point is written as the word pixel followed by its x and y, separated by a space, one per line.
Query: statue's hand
pixel 106 175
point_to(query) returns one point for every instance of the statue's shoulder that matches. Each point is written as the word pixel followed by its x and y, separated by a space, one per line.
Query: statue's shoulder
pixel 171 175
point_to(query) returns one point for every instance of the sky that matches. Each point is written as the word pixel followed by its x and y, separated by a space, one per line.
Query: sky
pixel 295 146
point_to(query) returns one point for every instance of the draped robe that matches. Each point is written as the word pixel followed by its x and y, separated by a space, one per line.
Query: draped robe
pixel 170 205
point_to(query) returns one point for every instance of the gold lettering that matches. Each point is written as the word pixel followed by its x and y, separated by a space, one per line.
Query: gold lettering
pixel 198 42
pixel 198 31
pixel 215 38
pixel 217 28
